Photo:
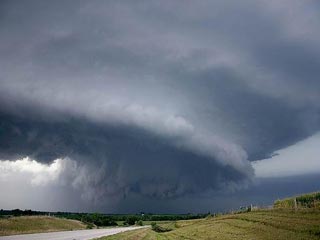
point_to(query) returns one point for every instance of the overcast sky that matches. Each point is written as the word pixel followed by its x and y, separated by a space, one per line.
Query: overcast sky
pixel 162 106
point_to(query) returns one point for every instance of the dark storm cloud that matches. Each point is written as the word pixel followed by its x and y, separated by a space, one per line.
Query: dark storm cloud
pixel 132 161
pixel 262 194
pixel 168 99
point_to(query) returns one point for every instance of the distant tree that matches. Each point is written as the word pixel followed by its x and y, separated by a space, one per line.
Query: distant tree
pixel 130 220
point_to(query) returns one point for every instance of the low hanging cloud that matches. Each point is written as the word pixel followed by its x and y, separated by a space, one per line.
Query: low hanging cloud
pixel 110 161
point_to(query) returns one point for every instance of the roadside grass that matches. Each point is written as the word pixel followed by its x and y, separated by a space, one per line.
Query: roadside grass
pixel 120 223
pixel 258 225
pixel 304 201
pixel 37 224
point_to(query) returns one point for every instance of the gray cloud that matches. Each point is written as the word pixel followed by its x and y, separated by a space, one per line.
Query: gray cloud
pixel 114 162
pixel 194 90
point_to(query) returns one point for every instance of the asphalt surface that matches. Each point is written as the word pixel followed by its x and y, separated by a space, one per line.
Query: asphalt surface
pixel 70 235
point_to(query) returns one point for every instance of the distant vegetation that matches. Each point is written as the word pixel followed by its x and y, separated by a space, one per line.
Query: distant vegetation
pixel 97 219
pixel 306 201
pixel 291 218
pixel 36 224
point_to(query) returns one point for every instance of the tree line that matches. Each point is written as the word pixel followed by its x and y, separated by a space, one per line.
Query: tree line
pixel 100 219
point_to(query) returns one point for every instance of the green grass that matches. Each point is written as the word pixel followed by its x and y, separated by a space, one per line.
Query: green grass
pixel 36 224
pixel 258 225
pixel 310 200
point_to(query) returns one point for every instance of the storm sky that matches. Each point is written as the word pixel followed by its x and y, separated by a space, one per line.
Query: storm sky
pixel 159 106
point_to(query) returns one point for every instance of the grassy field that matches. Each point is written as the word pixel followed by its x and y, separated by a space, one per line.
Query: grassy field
pixel 267 224
pixel 36 224
pixel 305 201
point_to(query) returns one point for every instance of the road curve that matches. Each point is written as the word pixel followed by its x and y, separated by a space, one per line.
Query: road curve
pixel 70 235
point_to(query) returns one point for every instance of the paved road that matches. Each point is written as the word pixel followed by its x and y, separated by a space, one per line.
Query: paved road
pixel 70 235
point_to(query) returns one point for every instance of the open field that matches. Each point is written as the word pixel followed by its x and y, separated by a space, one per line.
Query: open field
pixel 37 224
pixel 267 224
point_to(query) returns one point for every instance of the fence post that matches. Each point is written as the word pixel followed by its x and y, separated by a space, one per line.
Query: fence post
pixel 295 204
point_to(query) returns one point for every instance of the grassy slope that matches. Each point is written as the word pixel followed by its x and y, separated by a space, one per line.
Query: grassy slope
pixel 36 224
pixel 271 225
pixel 310 200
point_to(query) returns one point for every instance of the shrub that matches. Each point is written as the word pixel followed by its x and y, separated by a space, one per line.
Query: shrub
pixel 130 220
pixel 158 228
pixel 139 223
pixel 90 226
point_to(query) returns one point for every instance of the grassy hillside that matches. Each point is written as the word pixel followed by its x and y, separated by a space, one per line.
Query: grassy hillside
pixel 268 224
pixel 36 224
pixel 305 201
